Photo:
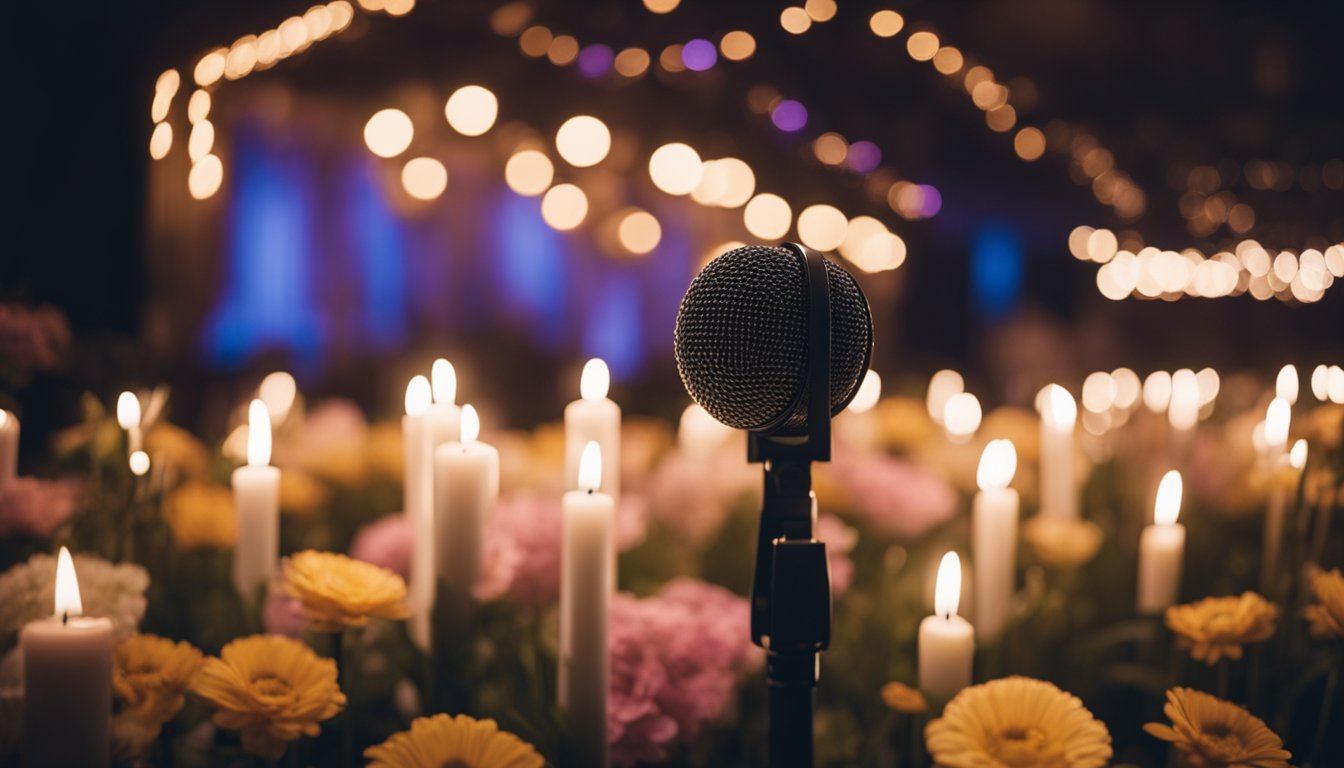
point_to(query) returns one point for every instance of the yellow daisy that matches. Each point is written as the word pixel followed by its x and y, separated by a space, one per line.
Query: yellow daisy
pixel 271 688
pixel 1327 615
pixel 1060 542
pixel 1216 627
pixel 339 592
pixel 1017 722
pixel 904 699
pixel 460 742
pixel 1212 733
pixel 200 514
pixel 152 674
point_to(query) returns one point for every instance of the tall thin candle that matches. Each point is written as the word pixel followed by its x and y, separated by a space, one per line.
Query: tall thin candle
pixel 1059 413
pixel 994 515
pixel 587 580
pixel 466 486
pixel 9 446
pixel 256 500
pixel 1277 418
pixel 418 501
pixel 1161 549
pixel 594 417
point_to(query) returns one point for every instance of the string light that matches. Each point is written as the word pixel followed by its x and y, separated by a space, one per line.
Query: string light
pixel 795 20
pixel 389 132
pixel 639 232
pixel 529 172
pixel 471 110
pixel 767 216
pixel 583 141
pixel 205 177
pixel 564 207
pixel 675 169
pixel 424 178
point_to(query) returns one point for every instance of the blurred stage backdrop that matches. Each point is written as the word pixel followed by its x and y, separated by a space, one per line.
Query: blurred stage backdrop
pixel 1140 202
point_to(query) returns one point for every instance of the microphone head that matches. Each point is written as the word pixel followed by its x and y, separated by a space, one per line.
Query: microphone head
pixel 741 338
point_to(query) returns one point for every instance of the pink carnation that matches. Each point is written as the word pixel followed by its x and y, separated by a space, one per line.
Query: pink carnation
pixel 897 497
pixel 521 558
pixel 677 660
pixel 692 496
pixel 840 540
pixel 385 542
pixel 36 507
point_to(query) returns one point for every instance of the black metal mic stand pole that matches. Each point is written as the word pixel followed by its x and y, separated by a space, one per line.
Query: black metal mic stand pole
pixel 791 590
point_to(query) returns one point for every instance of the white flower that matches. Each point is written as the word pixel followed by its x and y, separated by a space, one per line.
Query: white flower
pixel 115 591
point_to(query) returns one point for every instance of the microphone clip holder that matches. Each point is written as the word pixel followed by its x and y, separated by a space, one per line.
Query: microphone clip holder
pixel 791 588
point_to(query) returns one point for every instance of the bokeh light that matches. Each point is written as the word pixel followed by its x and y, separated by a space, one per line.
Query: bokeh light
pixel 661 6
pixel 820 11
pixel 1029 143
pixel 795 20
pixel 424 178
pixel 529 172
pixel 922 45
pixel 535 41
pixel 948 60
pixel 632 62
pixel 201 140
pixel 595 60
pixel 198 106
pixel 639 231
pixel 789 115
pixel 737 45
pixel 564 49
pixel 160 141
pixel 886 23
pixel 767 216
pixel 583 141
pixel 471 110
pixel 962 415
pixel 822 227
pixel 699 55
pixel 205 177
pixel 564 207
pixel 830 148
pixel 389 132
pixel 863 157
pixel 210 68
pixel 675 169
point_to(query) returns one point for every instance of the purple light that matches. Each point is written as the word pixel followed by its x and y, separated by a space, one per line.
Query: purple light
pixel 789 115
pixel 699 55
pixel 863 156
pixel 595 60
pixel 930 201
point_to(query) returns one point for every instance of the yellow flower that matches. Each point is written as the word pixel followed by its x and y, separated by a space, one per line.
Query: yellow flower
pixel 904 699
pixel 460 742
pixel 1212 733
pixel 174 446
pixel 387 450
pixel 339 592
pixel 1062 542
pixel 903 423
pixel 271 688
pixel 152 675
pixel 300 492
pixel 201 515
pixel 1327 615
pixel 1217 627
pixel 1016 722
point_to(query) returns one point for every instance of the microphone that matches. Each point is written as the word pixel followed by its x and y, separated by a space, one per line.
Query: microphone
pixel 742 338
pixel 775 340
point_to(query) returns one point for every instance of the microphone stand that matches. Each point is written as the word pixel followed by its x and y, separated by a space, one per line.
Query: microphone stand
pixel 791 589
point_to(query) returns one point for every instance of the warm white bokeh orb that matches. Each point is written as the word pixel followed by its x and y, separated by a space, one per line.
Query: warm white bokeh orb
pixel 822 227
pixel 675 168
pixel 471 110
pixel 639 232
pixel 529 172
pixel 583 141
pixel 424 178
pixel 564 207
pixel 389 132
pixel 205 177
pixel 767 216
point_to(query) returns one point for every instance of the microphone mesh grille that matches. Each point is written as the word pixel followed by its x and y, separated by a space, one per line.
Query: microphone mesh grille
pixel 741 337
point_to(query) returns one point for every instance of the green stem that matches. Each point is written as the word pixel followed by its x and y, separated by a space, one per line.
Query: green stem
pixel 1327 703
pixel 348 719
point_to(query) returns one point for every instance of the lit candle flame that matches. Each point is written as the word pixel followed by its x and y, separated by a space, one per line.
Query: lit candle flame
pixel 962 415
pixel 68 602
pixel 417 396
pixel 4 418
pixel 595 380
pixel 942 385
pixel 258 434
pixel 1058 408
pixel 1168 506
pixel 998 464
pixel 590 467
pixel 471 424
pixel 1297 457
pixel 947 590
pixel 1277 417
pixel 128 410
pixel 870 391
pixel 444 379
pixel 1286 385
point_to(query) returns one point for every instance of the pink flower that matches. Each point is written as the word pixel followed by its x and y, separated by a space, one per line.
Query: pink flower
pixel 283 615
pixel 677 660
pixel 521 558
pixel 899 498
pixel 692 495
pixel 386 542
pixel 840 540
pixel 36 507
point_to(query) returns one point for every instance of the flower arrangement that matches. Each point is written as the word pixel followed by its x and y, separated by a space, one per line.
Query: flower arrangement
pixel 325 667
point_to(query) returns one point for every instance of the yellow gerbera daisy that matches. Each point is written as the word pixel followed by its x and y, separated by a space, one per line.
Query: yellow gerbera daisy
pixel 1062 542
pixel 200 514
pixel 152 674
pixel 904 699
pixel 1327 615
pixel 1017 722
pixel 460 742
pixel 1212 733
pixel 339 592
pixel 271 688
pixel 1217 627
